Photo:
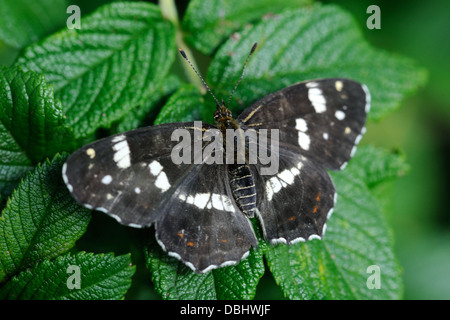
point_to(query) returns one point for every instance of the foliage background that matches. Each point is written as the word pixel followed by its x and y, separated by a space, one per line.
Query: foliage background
pixel 420 212
pixel 420 129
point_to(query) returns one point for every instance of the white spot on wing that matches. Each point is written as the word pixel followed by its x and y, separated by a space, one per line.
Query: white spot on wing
pixel 209 200
pixel 368 98
pixel 295 171
pixel 287 176
pixel 65 178
pixel 312 84
pixel 358 138
pixel 278 240
pixel 135 225
pixel 122 152
pixel 272 187
pixel 339 85
pixel 317 99
pixel 113 215
pixel 281 180
pixel 91 153
pixel 155 168
pixel 137 190
pixel 227 204
pixel 314 236
pixel 340 115
pixel 325 136
pixel 162 182
pixel 352 153
pixel 107 179
pixel 297 240
pixel 300 125
pixel 216 200
pixel 105 211
pixel 303 140
pixel 201 199
pixel 118 138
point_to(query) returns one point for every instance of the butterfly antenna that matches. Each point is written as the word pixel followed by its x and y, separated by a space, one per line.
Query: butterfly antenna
pixel 243 70
pixel 198 74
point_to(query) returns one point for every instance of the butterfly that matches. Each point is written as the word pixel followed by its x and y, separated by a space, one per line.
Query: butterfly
pixel 202 209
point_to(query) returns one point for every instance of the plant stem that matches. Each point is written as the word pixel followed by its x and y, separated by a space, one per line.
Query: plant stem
pixel 169 11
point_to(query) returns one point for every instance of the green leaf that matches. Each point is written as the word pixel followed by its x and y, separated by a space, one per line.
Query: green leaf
pixel 387 166
pixel 109 66
pixel 207 24
pixel 31 120
pixel 186 104
pixel 138 116
pixel 27 21
pixel 14 163
pixel 357 237
pixel 175 281
pixel 322 41
pixel 102 277
pixel 40 220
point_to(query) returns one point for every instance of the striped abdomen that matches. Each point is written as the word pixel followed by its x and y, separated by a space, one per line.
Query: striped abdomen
pixel 243 188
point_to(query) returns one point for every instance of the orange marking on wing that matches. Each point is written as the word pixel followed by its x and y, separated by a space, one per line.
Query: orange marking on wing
pixel 190 244
pixel 223 240
pixel 317 205
pixel 181 235
pixel 292 218
pixel 318 197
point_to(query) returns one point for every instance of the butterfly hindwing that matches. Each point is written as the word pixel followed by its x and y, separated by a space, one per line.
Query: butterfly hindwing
pixel 324 119
pixel 297 200
pixel 201 224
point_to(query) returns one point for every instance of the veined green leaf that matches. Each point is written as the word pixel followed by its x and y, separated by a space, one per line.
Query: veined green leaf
pixel 138 116
pixel 14 163
pixel 387 166
pixel 27 21
pixel 208 23
pixel 357 242
pixel 186 104
pixel 321 41
pixel 40 220
pixel 30 117
pixel 101 277
pixel 109 66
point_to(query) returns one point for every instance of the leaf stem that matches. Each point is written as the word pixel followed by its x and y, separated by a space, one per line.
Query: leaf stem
pixel 169 11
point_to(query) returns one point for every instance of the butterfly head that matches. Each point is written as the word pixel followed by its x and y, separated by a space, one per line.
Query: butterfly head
pixel 223 117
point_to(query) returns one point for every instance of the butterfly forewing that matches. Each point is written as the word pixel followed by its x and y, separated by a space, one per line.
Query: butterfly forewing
pixel 128 174
pixel 324 119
